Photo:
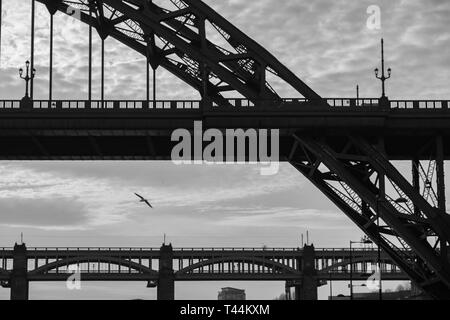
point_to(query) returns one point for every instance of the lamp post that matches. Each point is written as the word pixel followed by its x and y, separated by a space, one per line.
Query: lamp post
pixel 27 77
pixel 362 241
pixel 26 100
pixel 357 95
pixel 384 101
pixel 383 76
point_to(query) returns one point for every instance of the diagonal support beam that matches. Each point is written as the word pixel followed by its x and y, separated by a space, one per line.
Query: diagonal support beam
pixel 440 223
pixel 435 282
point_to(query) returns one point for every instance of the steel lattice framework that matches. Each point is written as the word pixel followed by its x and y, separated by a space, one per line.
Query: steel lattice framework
pixel 190 40
pixel 196 44
pixel 356 176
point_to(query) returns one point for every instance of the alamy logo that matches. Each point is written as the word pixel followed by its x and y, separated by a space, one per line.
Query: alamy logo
pixel 373 283
pixel 215 146
pixel 74 280
pixel 374 20
pixel 76 15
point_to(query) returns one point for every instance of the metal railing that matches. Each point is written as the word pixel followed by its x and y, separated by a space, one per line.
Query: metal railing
pixel 163 105
pixel 318 251
pixel 93 249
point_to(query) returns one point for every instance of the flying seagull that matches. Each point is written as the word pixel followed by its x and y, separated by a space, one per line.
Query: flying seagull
pixel 144 200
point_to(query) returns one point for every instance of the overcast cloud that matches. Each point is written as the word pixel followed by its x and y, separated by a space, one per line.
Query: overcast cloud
pixel 325 42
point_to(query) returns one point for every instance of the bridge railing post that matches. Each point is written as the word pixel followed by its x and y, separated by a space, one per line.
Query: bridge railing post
pixel 384 103
pixel 26 103
pixel 19 280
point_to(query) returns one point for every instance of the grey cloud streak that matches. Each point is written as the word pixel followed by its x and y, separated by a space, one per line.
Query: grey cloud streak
pixel 66 213
pixel 325 42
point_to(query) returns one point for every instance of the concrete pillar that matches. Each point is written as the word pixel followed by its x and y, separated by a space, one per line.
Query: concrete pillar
pixel 307 288
pixel 166 281
pixel 18 280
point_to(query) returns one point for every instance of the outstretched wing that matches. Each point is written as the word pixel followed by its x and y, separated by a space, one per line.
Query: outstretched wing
pixel 139 196
pixel 148 203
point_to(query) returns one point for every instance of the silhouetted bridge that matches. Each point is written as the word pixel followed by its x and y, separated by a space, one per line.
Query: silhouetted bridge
pixel 344 147
pixel 141 130
pixel 305 269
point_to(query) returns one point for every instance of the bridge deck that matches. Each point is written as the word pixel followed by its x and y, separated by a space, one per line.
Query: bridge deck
pixel 131 130
pixel 196 264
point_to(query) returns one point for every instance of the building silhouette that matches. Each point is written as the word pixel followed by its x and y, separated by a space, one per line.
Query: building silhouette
pixel 232 294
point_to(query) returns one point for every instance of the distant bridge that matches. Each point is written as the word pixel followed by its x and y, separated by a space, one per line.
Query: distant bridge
pixel 344 147
pixel 304 269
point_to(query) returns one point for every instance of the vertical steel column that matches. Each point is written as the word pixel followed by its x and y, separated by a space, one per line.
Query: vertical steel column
pixel 103 74
pixel 50 76
pixel 351 271
pixel 33 10
pixel 416 181
pixel 440 173
pixel 382 197
pixel 154 88
pixel 148 79
pixel 90 57
pixel 441 188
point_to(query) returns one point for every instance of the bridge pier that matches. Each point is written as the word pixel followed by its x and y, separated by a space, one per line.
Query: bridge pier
pixel 166 281
pixel 307 288
pixel 18 281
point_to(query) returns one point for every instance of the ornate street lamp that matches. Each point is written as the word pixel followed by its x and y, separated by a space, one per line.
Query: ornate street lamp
pixel 26 100
pixel 383 77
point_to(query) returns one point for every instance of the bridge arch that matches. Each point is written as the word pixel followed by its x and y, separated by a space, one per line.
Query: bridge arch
pixel 346 263
pixel 176 39
pixel 79 260
pixel 268 263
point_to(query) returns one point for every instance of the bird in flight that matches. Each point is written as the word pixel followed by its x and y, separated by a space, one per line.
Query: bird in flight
pixel 144 200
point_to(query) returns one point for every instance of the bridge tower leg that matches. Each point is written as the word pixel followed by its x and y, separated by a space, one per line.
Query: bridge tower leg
pixel 166 281
pixel 18 280
pixel 307 289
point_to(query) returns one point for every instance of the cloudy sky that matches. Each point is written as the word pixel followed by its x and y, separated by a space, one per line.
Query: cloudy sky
pixel 325 42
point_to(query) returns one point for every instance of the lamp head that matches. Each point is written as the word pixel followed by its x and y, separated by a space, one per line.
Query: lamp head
pixel 389 71
pixel 27 63
pixel 20 71
pixel 377 72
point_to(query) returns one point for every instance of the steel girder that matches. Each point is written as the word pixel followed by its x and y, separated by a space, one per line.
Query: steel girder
pixel 178 39
pixel 353 177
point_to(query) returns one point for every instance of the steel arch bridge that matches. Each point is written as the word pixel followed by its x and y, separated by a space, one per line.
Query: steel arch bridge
pixel 183 39
pixel 345 147
pixel 151 265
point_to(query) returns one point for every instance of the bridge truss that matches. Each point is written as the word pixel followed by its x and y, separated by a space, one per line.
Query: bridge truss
pixel 196 44
pixel 190 40
pixel 358 177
